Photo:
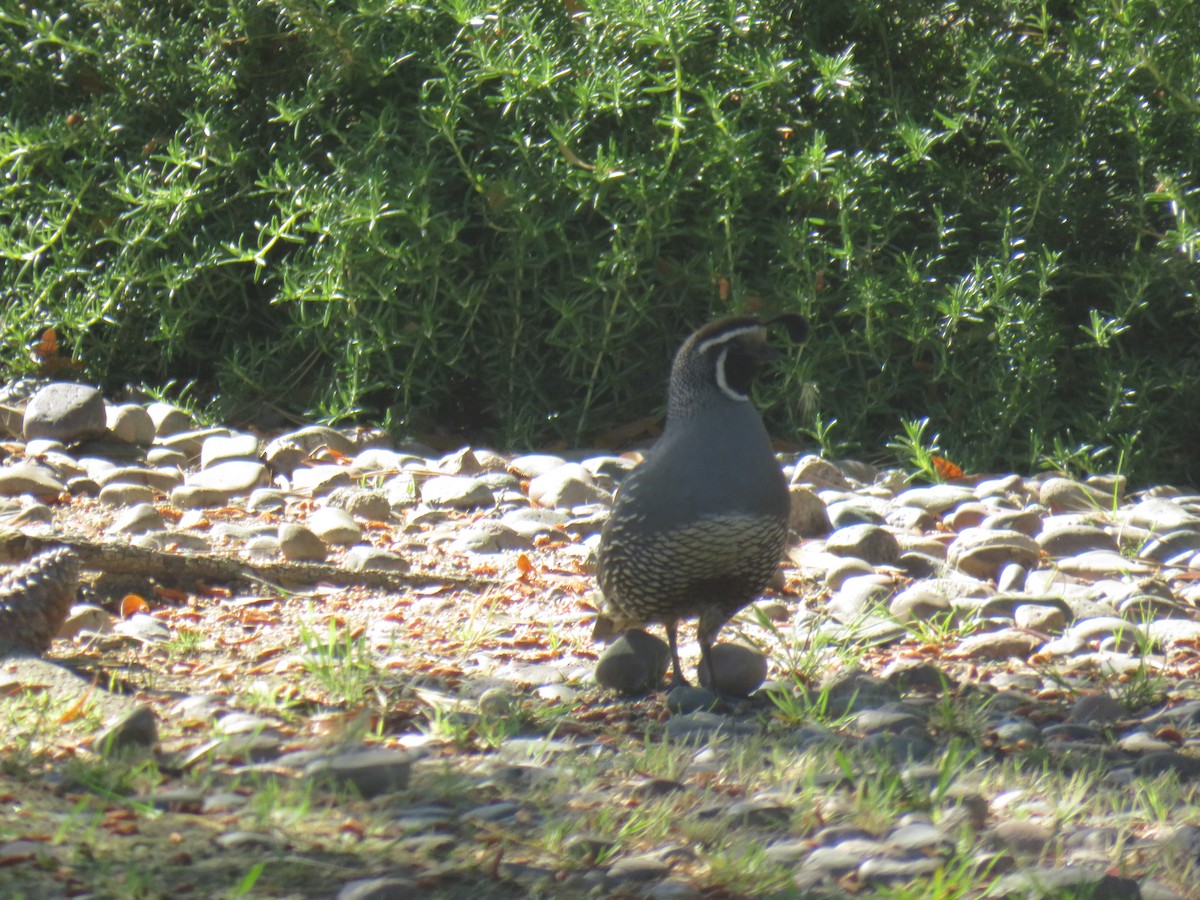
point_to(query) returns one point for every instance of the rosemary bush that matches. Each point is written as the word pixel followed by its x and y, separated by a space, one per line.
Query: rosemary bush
pixel 500 217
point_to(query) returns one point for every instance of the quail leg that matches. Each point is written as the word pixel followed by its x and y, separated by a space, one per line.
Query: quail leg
pixel 673 642
pixel 706 634
pixel 705 672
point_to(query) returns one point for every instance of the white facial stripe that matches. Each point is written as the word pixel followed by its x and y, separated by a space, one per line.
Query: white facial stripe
pixel 722 383
pixel 726 336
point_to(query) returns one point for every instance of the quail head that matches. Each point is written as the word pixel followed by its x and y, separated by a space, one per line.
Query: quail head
pixel 698 529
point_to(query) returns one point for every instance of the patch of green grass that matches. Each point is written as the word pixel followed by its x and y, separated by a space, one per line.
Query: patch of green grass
pixel 341 665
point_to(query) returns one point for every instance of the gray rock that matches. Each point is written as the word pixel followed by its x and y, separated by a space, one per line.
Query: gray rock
pixel 162 480
pixel 267 500
pixel 1094 564
pixel 759 812
pixel 500 811
pixel 286 452
pixel 566 487
pixel 130 423
pixel 372 505
pixel 851 512
pixel 854 691
pixel 683 699
pixel 366 558
pixel 1036 617
pixel 319 480
pixel 637 870
pixel 1052 883
pixel 193 497
pixel 1160 514
pixel 936 499
pixel 370 772
pixel 1026 521
pixel 229 478
pixel 456 492
pixel 634 663
pixel 808 517
pixel 1098 709
pixel 880 870
pixel 857 596
pixel 85 619
pixel 819 473
pixel 738 670
pixel 334 526
pixel 1011 578
pixel 120 494
pixel 1014 733
pixel 967 515
pixel 387 887
pixel 534 464
pixel 911 518
pixel 173 541
pixel 1023 836
pixel 871 543
pixel 222 448
pixel 65 412
pixel 982 553
pixel 845 568
pixel 489 536
pixel 299 544
pixel 166 458
pixel 26 478
pixel 134 731
pixel 1005 643
pixel 1181 765
pixel 143 628
pixel 703 726
pixel 920 602
pixel 533 522
pixel 1129 635
pixel 1174 547
pixel 168 419
pixel 1065 495
pixel 1069 540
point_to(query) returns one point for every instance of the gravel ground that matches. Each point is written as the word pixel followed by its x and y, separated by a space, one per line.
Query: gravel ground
pixel 992 680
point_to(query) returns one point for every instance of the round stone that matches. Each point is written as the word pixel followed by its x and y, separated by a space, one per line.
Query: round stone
pixel 738 670
pixel 808 517
pixel 334 526
pixel 871 543
pixel 299 543
pixel 981 552
pixel 120 494
pixel 1064 495
pixel 634 663
pixel 456 492
pixel 168 419
pixel 65 412
pixel 130 423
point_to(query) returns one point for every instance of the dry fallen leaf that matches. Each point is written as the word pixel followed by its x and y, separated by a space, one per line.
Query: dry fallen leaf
pixel 132 603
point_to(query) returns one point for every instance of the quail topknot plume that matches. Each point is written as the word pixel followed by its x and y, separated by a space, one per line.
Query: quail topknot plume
pixel 698 529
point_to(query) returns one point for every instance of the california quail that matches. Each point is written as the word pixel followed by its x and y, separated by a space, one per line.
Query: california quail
pixel 698 529
pixel 35 598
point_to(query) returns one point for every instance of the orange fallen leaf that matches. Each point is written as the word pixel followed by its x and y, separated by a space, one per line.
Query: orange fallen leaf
pixel 171 595
pixel 945 468
pixel 524 564
pixel 132 603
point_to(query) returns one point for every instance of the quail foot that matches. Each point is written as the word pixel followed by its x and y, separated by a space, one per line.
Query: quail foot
pixel 698 529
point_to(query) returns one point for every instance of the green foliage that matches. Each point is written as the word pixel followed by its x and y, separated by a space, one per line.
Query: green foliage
pixel 500 216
